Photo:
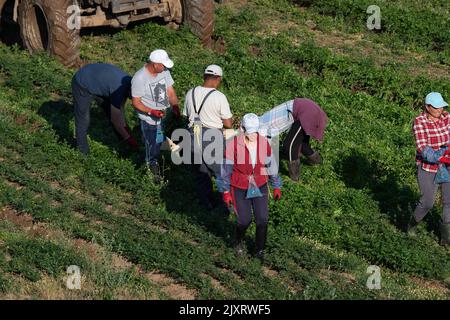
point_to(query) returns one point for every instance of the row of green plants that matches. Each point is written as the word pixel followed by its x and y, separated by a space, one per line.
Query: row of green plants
pixel 166 252
pixel 352 202
pixel 415 27
pixel 118 172
pixel 136 241
pixel 261 92
pixel 29 258
pixel 376 171
pixel 305 23
pixel 392 82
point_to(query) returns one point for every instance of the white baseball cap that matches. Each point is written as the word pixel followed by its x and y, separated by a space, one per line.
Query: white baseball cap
pixel 250 122
pixel 214 70
pixel 161 56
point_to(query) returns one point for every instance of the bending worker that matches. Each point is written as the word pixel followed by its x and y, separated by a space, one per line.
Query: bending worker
pixel 110 87
pixel 304 119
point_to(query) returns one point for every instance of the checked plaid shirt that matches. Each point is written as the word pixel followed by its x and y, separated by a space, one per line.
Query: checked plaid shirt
pixel 277 120
pixel 432 134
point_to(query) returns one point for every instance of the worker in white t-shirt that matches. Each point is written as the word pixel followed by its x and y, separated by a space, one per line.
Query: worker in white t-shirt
pixel 153 94
pixel 208 108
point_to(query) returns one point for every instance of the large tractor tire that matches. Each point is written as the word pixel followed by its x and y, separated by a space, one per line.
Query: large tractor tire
pixel 199 16
pixel 44 27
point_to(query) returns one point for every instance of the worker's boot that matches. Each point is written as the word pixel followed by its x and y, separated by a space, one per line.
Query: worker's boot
pixel 261 237
pixel 294 170
pixel 315 158
pixel 445 234
pixel 239 247
pixel 411 229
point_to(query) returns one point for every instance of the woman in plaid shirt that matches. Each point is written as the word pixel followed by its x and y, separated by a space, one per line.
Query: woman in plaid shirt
pixel 432 136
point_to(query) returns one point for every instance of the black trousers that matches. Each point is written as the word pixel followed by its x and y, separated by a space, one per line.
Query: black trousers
pixel 244 206
pixel 297 142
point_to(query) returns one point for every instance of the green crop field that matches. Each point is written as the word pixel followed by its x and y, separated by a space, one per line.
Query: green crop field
pixel 133 239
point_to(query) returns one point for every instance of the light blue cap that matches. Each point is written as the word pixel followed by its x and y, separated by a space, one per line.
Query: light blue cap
pixel 435 99
pixel 250 122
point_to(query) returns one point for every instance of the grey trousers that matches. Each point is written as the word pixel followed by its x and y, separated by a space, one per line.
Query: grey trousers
pixel 82 100
pixel 427 195
pixel 204 172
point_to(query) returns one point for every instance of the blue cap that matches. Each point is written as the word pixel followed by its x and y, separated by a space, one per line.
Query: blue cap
pixel 435 99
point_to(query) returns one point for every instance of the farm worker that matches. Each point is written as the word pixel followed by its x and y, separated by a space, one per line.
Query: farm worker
pixel 244 182
pixel 110 87
pixel 207 109
pixel 153 93
pixel 431 132
pixel 304 119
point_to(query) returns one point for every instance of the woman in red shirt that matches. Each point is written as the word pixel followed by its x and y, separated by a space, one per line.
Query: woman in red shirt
pixel 431 132
pixel 248 168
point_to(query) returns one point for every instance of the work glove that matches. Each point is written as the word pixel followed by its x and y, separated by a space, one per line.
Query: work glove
pixel 277 194
pixel 226 196
pixel 176 110
pixel 156 113
pixel 445 160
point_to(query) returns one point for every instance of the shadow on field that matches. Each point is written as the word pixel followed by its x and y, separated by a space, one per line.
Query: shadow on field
pixel 396 201
pixel 178 192
pixel 59 114
pixel 179 195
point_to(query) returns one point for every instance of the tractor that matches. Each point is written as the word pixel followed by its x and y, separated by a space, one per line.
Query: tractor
pixel 54 25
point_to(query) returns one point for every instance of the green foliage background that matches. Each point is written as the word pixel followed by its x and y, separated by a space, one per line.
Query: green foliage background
pixel 345 215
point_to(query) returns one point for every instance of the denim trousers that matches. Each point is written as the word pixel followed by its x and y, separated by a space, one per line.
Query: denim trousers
pixel 152 149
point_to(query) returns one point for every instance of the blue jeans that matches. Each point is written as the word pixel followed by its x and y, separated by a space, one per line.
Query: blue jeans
pixel 152 149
